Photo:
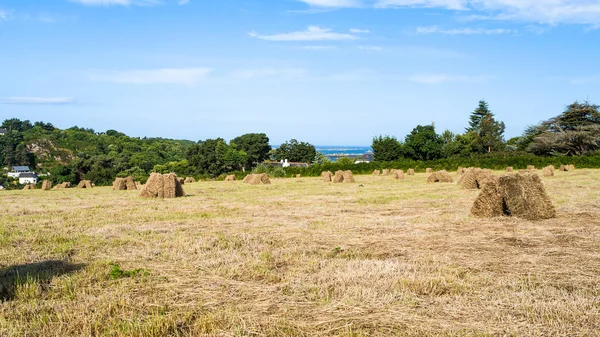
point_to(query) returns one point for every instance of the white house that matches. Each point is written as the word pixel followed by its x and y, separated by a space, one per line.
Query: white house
pixel 18 170
pixel 3 132
pixel 28 178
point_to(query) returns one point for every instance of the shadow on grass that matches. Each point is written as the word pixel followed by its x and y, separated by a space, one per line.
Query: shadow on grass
pixel 39 272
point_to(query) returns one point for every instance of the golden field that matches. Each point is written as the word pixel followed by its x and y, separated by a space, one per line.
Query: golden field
pixel 299 257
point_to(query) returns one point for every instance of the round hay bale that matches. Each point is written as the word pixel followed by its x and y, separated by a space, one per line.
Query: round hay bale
pixel 410 172
pixel 338 177
pixel 326 176
pixel 428 170
pixel 348 178
pixel 46 185
pixel 510 169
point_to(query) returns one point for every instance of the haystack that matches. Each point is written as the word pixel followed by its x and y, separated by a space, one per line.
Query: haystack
pixel 440 177
pixel 348 178
pixel 461 170
pixel 247 178
pixel 162 186
pixel 531 167
pixel 181 180
pixel 189 180
pixel 410 172
pixel 130 183
pixel 119 184
pixel 298 175
pixel 29 187
pixel 257 179
pixel 386 172
pixel 376 172
pixel 548 171
pixel 338 177
pixel 398 174
pixel 522 195
pixel 474 178
pixel 63 185
pixel 85 184
pixel 46 185
pixel 563 168
pixel 571 167
pixel 428 170
pixel 230 177
pixel 326 176
pixel 510 169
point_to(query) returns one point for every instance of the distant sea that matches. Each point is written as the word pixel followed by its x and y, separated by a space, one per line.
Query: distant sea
pixel 332 152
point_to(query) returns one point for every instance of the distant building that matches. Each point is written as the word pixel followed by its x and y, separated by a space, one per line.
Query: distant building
pixel 3 132
pixel 28 178
pixel 18 170
pixel 286 163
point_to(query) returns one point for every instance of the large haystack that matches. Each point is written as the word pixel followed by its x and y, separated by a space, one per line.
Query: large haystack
pixel 398 174
pixel 162 186
pixel 85 184
pixel 130 183
pixel 338 177
pixel 428 170
pixel 230 177
pixel 510 169
pixel 474 178
pixel 439 177
pixel 46 185
pixel 548 171
pixel 348 178
pixel 189 180
pixel 257 179
pixel 376 172
pixel 531 167
pixel 119 184
pixel 29 187
pixel 385 172
pixel 522 195
pixel 410 172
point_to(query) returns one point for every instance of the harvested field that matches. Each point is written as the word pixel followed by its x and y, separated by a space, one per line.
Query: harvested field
pixel 381 257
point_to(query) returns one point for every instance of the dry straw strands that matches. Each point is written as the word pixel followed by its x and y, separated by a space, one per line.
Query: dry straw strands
pixel 386 172
pixel 343 177
pixel 548 171
pixel 428 170
pixel 398 174
pixel 439 177
pixel 326 176
pixel 162 186
pixel 63 185
pixel 410 172
pixel 522 195
pixel 85 184
pixel 189 180
pixel 531 167
pixel 130 183
pixel 348 178
pixel 461 170
pixel 230 177
pixel 119 184
pixel 257 179
pixel 474 178
pixel 510 169
pixel 46 185
pixel 29 187
pixel 571 167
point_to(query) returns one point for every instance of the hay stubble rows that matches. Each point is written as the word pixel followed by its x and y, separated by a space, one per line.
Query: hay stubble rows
pixel 301 257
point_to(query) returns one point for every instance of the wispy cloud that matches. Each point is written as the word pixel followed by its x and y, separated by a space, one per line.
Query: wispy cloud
pixel 182 76
pixel 359 31
pixel 445 78
pixel 370 48
pixel 281 73
pixel 333 3
pixel 319 47
pixel 118 2
pixel 463 31
pixel 3 15
pixel 447 4
pixel 183 2
pixel 37 100
pixel 312 33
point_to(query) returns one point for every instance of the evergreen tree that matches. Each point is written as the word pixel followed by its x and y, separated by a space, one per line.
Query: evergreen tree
pixel 486 132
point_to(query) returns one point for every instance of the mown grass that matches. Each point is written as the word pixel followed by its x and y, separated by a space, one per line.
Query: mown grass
pixel 300 257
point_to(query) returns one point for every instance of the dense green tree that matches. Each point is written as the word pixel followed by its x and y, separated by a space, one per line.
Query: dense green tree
pixel 423 143
pixel 215 157
pixel 386 148
pixel 486 132
pixel 295 151
pixel 455 145
pixel 255 145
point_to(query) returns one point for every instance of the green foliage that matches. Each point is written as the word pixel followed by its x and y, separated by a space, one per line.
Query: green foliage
pixel 214 157
pixel 272 171
pixel 423 143
pixel 255 145
pixel 386 148
pixel 295 151
pixel 116 272
pixel 181 168
pixel 486 133
pixel 136 173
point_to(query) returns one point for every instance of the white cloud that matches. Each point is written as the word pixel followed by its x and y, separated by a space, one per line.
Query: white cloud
pixel 3 15
pixel 359 31
pixel 37 100
pixel 117 2
pixel 285 73
pixel 333 3
pixel 463 31
pixel 319 47
pixel 184 76
pixel 312 33
pixel 447 4
pixel 445 78
pixel 370 48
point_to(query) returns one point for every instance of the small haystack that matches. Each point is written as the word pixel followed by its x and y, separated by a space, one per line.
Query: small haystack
pixel 29 187
pixel 130 183
pixel 531 167
pixel 338 177
pixel 162 186
pixel 440 177
pixel 474 178
pixel 46 185
pixel 385 172
pixel 522 195
pixel 326 176
pixel 563 168
pixel 410 172
pixel 298 175
pixel 571 167
pixel 257 179
pixel 428 170
pixel 85 184
pixel 398 174
pixel 63 185
pixel 376 172
pixel 189 180
pixel 348 178
pixel 230 177
pixel 510 169
pixel 119 184
pixel 548 171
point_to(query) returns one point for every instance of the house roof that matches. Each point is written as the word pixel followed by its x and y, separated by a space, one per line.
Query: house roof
pixel 3 131
pixel 20 168
pixel 27 175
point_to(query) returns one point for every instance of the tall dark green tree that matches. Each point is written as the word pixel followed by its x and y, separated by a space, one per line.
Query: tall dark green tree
pixel 295 151
pixel 386 148
pixel 423 143
pixel 487 133
pixel 255 145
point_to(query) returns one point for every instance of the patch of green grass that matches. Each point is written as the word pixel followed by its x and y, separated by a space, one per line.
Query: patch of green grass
pixel 117 273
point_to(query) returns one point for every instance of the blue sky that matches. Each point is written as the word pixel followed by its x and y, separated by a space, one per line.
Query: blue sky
pixel 331 72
